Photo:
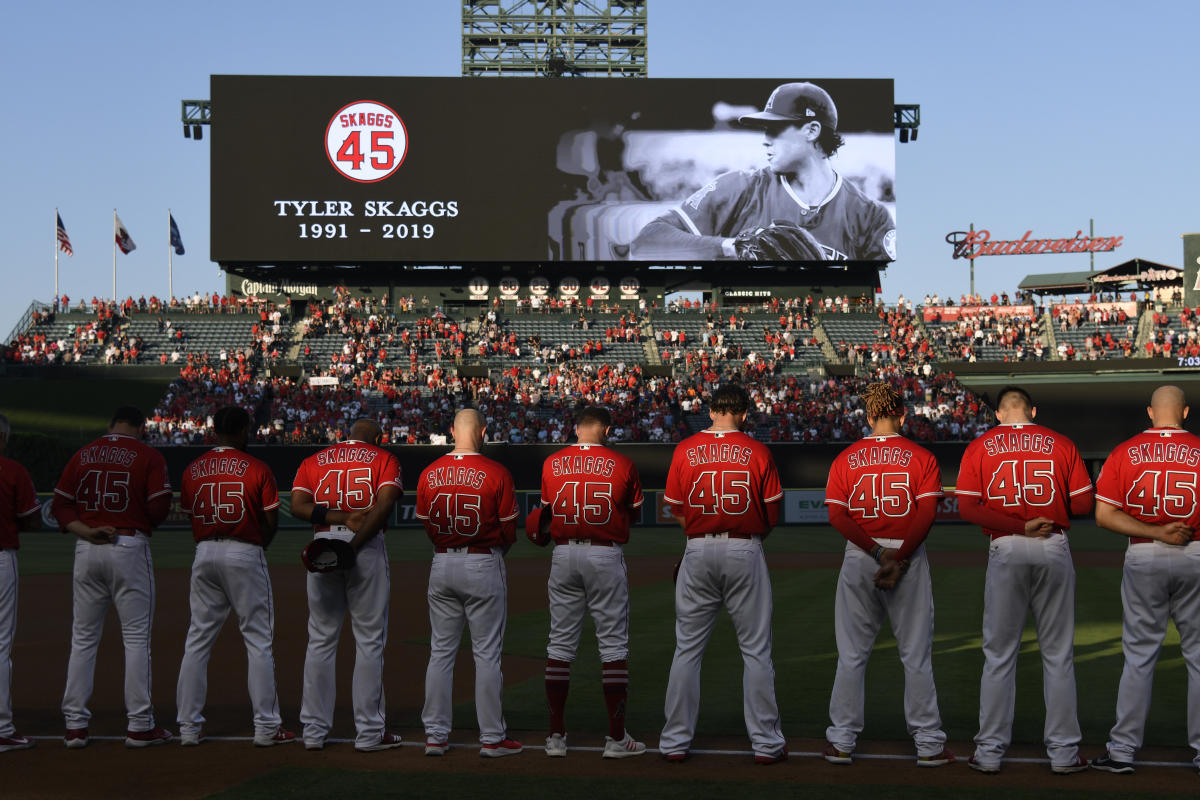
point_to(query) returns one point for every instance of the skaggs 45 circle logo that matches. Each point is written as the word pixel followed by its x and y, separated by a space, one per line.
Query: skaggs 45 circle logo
pixel 366 141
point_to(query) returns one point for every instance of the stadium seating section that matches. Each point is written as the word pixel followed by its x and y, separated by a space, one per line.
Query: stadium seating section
pixel 531 370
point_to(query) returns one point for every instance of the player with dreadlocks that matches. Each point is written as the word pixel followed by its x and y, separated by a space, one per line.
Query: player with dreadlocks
pixel 882 495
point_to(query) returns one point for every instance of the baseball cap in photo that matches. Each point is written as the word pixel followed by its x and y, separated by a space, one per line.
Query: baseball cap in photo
pixel 795 102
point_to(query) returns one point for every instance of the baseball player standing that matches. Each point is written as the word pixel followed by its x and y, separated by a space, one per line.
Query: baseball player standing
pixel 1021 483
pixel 797 189
pixel 1147 491
pixel 469 508
pixel 113 493
pixel 882 494
pixel 590 493
pixel 347 492
pixel 234 506
pixel 19 511
pixel 724 488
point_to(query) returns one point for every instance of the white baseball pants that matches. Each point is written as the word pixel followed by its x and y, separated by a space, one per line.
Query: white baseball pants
pixel 859 612
pixel 588 578
pixel 1160 582
pixel 718 572
pixel 1025 573
pixel 120 574
pixel 8 629
pixel 466 589
pixel 229 574
pixel 364 591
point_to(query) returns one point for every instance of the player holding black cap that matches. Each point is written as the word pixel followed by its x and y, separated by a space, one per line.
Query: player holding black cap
pixel 797 189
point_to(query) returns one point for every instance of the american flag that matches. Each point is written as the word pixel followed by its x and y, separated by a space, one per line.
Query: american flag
pixel 64 241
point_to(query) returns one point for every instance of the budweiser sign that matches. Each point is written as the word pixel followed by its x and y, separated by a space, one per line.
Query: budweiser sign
pixel 973 244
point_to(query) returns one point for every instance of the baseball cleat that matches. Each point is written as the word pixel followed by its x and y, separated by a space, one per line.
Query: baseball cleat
pixel 76 738
pixel 556 745
pixel 15 742
pixel 677 758
pixel 1109 764
pixel 986 769
pixel 314 744
pixel 387 742
pixel 1080 765
pixel 623 748
pixel 835 756
pixel 190 739
pixel 433 748
pixel 508 747
pixel 766 760
pixel 280 736
pixel 940 760
pixel 151 738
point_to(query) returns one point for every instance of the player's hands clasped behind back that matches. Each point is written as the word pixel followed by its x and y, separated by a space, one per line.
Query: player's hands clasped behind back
pixel 890 570
pixel 105 534
pixel 1039 527
pixel 1176 533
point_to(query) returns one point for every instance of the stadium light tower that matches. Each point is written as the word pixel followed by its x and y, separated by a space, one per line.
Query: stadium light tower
pixel 584 38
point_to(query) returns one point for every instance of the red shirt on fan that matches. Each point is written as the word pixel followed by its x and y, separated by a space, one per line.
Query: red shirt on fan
pixel 1154 477
pixel 17 499
pixel 594 492
pixel 347 476
pixel 880 481
pixel 1022 471
pixel 723 482
pixel 467 500
pixel 226 492
pixel 116 480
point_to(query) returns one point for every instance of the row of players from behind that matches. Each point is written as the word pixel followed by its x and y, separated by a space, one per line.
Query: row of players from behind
pixel 1020 482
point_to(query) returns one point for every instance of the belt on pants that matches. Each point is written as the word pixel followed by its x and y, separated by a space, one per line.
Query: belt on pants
pixel 475 551
pixel 592 542
pixel 722 535
pixel 996 536
pixel 128 532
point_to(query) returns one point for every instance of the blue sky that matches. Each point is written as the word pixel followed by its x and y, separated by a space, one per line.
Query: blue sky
pixel 1034 115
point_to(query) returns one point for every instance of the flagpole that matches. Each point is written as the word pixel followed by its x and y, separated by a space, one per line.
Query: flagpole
pixel 114 238
pixel 170 268
pixel 55 303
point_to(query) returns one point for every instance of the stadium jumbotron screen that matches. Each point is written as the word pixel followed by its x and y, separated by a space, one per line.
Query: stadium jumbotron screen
pixel 345 170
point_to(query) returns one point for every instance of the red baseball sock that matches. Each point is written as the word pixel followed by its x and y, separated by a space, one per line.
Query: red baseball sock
pixel 615 677
pixel 558 682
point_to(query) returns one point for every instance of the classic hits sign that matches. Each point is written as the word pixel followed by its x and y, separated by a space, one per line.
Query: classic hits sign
pixel 345 170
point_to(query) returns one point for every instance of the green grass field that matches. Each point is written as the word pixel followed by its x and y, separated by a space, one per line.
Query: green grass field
pixel 302 783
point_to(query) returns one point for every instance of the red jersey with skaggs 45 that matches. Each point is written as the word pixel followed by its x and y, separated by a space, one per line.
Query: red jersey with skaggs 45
pixel 880 479
pixel 594 492
pixel 227 492
pixel 465 499
pixel 722 481
pixel 348 475
pixel 1155 477
pixel 110 481
pixel 1025 471
pixel 847 224
pixel 17 499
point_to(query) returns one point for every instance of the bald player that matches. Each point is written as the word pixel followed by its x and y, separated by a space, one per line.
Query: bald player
pixel 347 492
pixel 19 511
pixel 1148 491
pixel 469 508
pixel 1022 482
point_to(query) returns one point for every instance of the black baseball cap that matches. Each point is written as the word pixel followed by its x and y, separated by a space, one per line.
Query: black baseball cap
pixel 795 102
